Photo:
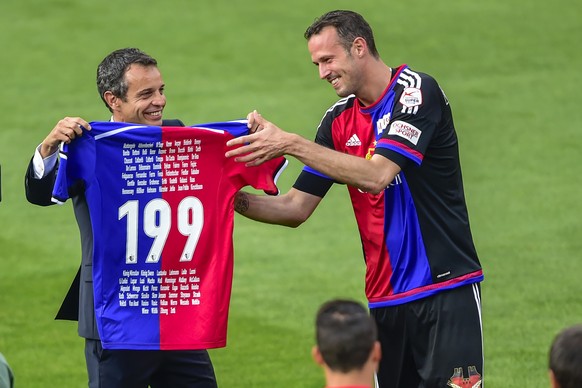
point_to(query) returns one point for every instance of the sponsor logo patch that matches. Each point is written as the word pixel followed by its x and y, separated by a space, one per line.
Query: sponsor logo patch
pixel 411 97
pixel 382 123
pixel 406 131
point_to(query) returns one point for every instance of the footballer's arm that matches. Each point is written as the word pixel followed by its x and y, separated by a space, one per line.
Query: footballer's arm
pixel 270 141
pixel 290 209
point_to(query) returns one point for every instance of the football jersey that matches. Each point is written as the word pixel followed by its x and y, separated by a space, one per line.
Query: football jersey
pixel 161 203
pixel 415 234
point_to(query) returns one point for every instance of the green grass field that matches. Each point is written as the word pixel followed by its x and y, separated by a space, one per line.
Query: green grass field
pixel 511 70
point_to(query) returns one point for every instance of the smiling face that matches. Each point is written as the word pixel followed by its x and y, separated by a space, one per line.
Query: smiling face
pixel 145 99
pixel 336 65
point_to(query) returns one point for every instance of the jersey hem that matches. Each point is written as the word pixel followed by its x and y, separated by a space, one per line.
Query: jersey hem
pixel 424 292
pixel 130 346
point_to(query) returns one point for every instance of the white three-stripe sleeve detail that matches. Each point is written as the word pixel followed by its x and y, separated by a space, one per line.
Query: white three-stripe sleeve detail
pixel 478 304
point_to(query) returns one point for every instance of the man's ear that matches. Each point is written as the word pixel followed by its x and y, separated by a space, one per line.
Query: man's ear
pixel 378 350
pixel 111 99
pixel 359 46
pixel 376 354
pixel 553 382
pixel 316 354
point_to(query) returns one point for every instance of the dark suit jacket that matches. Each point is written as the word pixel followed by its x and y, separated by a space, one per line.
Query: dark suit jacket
pixel 78 303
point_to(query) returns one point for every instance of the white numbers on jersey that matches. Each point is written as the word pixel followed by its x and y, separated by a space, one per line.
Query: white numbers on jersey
pixel 157 222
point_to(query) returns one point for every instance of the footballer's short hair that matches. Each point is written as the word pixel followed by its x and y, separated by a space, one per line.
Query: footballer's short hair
pixel 565 358
pixel 349 26
pixel 345 335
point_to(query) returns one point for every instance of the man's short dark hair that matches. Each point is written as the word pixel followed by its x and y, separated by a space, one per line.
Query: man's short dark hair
pixel 345 335
pixel 349 25
pixel 111 71
pixel 566 357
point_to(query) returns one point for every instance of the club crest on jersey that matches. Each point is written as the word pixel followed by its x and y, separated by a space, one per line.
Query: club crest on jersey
pixel 458 380
pixel 371 151
pixel 406 131
pixel 411 97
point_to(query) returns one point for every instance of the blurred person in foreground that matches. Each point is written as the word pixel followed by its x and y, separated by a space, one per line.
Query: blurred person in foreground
pixel 392 141
pixel 6 375
pixel 346 344
pixel 131 86
pixel 565 358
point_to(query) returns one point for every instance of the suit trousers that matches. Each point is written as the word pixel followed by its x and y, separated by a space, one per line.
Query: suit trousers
pixel 148 368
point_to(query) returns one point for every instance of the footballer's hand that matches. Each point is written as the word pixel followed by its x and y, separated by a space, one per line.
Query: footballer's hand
pixel 266 142
pixel 252 123
pixel 66 130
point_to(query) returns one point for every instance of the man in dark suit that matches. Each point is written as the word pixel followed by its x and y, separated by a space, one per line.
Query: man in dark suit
pixel 131 86
pixel 6 375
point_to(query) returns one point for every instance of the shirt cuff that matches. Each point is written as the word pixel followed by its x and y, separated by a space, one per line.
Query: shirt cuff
pixel 42 166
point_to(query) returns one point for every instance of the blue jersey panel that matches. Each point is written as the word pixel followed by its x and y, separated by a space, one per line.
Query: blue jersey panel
pixel 404 240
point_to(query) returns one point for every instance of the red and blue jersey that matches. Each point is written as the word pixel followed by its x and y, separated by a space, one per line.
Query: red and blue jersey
pixel 161 206
pixel 415 235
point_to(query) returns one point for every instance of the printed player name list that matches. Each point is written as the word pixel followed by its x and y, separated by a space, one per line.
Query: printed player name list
pixel 160 292
pixel 153 168
pixel 161 167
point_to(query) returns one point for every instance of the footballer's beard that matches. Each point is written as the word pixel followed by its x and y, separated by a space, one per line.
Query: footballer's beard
pixel 343 91
pixel 342 85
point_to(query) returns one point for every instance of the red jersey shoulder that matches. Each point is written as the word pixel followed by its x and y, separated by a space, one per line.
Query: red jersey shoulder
pixel 346 129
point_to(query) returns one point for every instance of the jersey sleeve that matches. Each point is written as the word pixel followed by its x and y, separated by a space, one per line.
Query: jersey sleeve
pixel 324 135
pixel 310 180
pixel 60 192
pixel 417 111
pixel 262 177
pixel 235 127
pixel 77 160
